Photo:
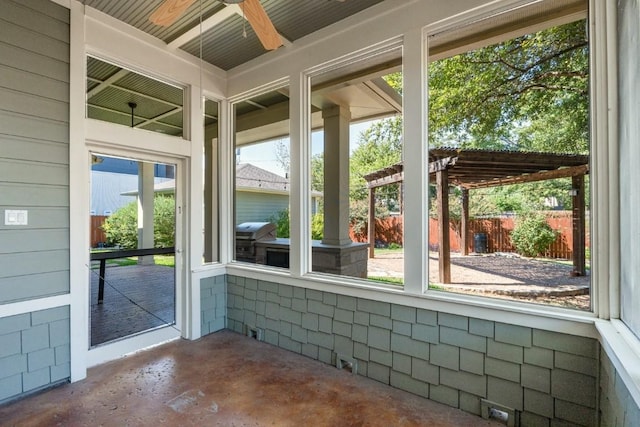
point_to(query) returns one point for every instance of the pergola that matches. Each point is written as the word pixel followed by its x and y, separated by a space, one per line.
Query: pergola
pixel 473 169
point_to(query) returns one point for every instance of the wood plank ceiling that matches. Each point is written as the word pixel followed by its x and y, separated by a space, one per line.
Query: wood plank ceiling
pixel 223 43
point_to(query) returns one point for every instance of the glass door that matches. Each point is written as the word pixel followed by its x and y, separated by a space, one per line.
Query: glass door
pixel 133 264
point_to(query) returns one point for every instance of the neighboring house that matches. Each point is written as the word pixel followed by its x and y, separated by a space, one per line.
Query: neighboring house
pixel 112 181
pixel 260 194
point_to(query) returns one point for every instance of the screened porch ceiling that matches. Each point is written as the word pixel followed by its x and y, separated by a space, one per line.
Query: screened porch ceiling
pixel 159 107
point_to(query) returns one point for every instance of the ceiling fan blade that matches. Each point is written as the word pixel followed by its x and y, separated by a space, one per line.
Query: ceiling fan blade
pixel 261 24
pixel 167 13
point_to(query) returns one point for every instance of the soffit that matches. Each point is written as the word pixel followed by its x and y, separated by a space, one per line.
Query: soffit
pixel 504 25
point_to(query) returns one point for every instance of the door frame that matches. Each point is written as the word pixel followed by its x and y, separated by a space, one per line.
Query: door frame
pixel 116 349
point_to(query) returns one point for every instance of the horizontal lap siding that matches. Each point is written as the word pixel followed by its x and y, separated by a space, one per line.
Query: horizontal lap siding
pixel 34 148
pixel 259 207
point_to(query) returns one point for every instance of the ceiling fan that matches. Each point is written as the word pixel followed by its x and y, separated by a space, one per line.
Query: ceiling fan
pixel 170 10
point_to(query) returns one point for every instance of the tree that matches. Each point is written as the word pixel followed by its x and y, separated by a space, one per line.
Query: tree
pixel 380 146
pixel 528 93
pixel 283 155
pixel 317 172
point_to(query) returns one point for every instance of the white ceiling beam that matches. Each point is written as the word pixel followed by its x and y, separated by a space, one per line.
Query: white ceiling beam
pixel 211 22
pixel 207 24
pixel 158 118
pixel 108 82
pixel 146 121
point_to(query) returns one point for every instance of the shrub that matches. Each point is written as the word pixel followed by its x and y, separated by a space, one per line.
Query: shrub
pixel 532 235
pixel 121 228
pixel 282 220
pixel 317 226
pixel 164 222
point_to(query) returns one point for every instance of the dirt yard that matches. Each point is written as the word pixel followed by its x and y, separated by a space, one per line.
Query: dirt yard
pixel 501 276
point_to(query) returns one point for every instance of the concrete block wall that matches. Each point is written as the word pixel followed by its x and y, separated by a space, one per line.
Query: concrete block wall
pixel 213 304
pixel 617 407
pixel 549 378
pixel 34 351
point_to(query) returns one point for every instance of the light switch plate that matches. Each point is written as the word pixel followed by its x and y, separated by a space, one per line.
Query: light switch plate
pixel 16 217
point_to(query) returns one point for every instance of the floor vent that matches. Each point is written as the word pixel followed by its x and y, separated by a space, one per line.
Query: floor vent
pixel 253 332
pixel 494 411
pixel 347 363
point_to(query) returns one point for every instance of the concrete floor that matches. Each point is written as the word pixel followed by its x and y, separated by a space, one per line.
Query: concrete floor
pixel 226 379
pixel 136 298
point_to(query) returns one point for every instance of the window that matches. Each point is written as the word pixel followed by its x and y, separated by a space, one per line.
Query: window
pixel 356 167
pixel 509 149
pixel 629 132
pixel 261 189
pixel 210 208
pixel 117 95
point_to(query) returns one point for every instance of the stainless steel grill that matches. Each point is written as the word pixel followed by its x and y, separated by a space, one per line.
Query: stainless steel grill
pixel 247 234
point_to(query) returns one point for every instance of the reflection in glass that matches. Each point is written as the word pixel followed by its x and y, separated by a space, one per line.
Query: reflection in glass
pixel 117 95
pixel 261 190
pixel 211 211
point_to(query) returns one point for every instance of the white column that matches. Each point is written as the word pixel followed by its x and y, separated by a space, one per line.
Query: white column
pixel 415 159
pixel 336 175
pixel 145 210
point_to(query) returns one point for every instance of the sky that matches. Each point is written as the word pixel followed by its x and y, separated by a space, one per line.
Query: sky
pixel 263 155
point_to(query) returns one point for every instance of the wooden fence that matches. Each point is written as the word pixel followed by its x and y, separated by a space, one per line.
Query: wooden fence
pixel 389 230
pixel 497 231
pixel 97 235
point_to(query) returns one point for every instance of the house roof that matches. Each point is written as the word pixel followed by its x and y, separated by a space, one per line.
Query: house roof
pixel 250 177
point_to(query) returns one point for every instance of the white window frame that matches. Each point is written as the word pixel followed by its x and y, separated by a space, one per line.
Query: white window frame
pixel 415 103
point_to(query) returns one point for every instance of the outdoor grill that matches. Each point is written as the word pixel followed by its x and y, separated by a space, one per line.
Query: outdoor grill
pixel 247 234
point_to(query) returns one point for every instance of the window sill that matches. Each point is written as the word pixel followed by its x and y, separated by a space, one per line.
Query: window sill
pixel 623 348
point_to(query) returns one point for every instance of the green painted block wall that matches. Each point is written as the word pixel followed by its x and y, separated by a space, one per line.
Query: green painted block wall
pixel 617 407
pixel 213 304
pixel 35 351
pixel 549 378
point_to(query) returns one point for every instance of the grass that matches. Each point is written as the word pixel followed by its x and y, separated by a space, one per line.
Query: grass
pixel 565 261
pixel 389 280
pixel 382 251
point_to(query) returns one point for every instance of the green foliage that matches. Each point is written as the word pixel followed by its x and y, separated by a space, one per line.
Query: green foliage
pixel 529 93
pixel 317 172
pixel 164 221
pixel 121 228
pixel 317 226
pixel 380 146
pixel 282 221
pixel 532 235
